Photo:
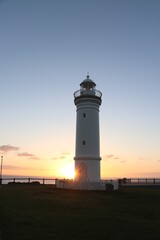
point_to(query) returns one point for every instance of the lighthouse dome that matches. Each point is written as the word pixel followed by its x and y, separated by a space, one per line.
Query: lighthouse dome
pixel 88 83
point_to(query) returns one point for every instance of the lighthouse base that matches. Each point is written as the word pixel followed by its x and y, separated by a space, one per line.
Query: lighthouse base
pixel 87 169
pixel 107 185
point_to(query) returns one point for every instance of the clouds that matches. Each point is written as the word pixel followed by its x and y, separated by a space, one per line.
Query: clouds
pixel 25 154
pixel 111 156
pixel 8 148
pixel 13 167
pixel 62 156
pixel 123 161
pixel 144 159
pixel 34 158
pixel 10 167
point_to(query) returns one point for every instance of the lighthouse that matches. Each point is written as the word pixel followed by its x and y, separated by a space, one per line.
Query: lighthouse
pixel 87 153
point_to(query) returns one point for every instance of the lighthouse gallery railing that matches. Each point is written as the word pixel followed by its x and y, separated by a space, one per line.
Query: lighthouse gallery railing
pixel 81 92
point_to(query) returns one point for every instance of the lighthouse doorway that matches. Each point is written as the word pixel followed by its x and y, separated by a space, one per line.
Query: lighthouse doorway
pixel 83 172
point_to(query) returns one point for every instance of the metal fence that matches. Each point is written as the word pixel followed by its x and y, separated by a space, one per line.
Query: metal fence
pixel 36 180
pixel 139 181
pixel 80 93
pixel 26 180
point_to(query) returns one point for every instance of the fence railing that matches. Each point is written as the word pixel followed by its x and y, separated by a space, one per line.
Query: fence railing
pixel 31 180
pixel 36 180
pixel 138 181
pixel 80 93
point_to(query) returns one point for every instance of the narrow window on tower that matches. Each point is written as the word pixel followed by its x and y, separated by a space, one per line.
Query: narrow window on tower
pixel 84 142
pixel 84 115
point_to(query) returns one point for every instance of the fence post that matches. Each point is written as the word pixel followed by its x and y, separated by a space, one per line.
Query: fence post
pixel 29 180
pixel 43 180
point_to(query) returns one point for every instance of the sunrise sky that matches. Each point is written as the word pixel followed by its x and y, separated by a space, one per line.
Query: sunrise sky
pixel 46 49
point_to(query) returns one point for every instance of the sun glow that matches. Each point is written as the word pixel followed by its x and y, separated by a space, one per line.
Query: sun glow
pixel 68 171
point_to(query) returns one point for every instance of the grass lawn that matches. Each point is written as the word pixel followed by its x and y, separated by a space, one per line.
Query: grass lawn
pixel 29 212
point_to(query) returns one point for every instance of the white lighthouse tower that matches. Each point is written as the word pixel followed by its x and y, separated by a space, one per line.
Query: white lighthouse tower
pixel 87 155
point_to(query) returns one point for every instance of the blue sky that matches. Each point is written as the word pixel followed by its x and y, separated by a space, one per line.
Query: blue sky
pixel 46 49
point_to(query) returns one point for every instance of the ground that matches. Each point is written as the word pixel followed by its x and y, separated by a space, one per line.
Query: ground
pixel 29 212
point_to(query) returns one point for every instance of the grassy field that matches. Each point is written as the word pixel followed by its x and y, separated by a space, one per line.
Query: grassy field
pixel 30 212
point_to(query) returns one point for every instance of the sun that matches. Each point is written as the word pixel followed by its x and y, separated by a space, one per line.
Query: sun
pixel 67 171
